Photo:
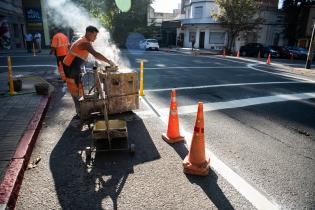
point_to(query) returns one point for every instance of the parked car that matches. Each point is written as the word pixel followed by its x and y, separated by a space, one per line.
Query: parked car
pixel 297 52
pixel 282 51
pixel 252 49
pixel 149 44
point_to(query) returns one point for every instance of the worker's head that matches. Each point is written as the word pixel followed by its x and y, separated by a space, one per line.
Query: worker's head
pixel 91 33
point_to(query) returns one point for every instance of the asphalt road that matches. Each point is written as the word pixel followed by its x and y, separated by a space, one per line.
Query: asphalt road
pixel 258 121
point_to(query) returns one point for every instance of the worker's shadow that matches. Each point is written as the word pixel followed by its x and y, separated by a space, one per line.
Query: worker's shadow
pixel 208 183
pixel 96 186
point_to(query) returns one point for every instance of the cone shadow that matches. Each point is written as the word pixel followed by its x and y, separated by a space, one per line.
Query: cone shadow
pixel 209 185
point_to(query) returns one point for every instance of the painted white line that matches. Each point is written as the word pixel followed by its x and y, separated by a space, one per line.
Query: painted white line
pixel 241 103
pixel 242 186
pixel 225 85
pixel 289 75
pixel 25 66
pixel 198 67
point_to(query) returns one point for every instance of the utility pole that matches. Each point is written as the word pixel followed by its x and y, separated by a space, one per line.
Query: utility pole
pixel 310 51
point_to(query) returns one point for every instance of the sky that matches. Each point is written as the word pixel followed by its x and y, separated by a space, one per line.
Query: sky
pixel 169 5
pixel 165 5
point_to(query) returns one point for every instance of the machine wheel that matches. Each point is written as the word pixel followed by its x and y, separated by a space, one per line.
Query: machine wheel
pixel 132 149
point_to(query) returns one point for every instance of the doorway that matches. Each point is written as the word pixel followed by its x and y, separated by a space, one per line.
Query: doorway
pixel 202 40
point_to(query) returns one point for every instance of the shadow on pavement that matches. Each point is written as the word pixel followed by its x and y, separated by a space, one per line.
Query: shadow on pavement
pixel 98 185
pixel 208 184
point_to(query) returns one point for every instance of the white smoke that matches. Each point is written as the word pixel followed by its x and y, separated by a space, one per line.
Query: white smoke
pixel 65 13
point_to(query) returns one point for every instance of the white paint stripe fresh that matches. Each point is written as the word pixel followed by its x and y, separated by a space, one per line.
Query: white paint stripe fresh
pixel 198 67
pixel 224 85
pixel 241 103
pixel 289 75
pixel 248 191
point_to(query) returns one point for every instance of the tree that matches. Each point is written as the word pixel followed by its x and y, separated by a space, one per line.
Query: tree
pixel 238 16
pixel 295 16
pixel 119 23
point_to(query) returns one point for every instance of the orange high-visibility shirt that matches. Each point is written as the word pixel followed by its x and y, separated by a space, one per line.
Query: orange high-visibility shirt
pixel 61 43
pixel 76 52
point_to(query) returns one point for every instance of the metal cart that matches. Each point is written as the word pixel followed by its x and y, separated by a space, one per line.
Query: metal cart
pixel 107 134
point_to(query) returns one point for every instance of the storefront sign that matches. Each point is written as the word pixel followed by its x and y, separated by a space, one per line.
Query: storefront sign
pixel 33 15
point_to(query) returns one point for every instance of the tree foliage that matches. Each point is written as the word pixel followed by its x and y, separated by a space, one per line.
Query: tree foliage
pixel 119 23
pixel 296 15
pixel 237 16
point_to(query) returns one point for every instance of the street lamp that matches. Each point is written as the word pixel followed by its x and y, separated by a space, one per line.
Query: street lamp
pixel 310 51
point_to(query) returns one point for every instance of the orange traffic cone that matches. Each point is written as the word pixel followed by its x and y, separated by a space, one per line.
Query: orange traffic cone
pixel 238 54
pixel 269 60
pixel 258 56
pixel 173 135
pixel 197 162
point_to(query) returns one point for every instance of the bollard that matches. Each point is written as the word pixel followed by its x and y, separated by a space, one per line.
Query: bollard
pixel 141 78
pixel 11 86
pixel 34 50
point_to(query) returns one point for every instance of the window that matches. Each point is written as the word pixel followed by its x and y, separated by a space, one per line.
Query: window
pixel 217 38
pixel 198 12
pixel 192 34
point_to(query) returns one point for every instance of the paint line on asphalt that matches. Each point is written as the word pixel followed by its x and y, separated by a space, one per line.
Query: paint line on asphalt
pixel 255 63
pixel 226 85
pixel 198 67
pixel 241 103
pixel 241 185
pixel 251 66
pixel 25 66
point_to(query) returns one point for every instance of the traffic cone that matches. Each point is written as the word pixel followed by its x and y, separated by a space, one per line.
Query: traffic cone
pixel 258 56
pixel 197 162
pixel 173 135
pixel 269 60
pixel 238 54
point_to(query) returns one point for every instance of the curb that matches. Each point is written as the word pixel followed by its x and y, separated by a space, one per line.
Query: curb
pixel 10 186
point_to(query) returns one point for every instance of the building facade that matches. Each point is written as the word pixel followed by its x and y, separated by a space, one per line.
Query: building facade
pixel 12 25
pixel 198 24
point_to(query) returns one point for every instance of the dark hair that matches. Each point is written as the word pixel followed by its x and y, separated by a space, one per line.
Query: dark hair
pixel 91 29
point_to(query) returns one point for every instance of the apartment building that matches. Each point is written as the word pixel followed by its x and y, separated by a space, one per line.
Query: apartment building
pixel 12 25
pixel 197 22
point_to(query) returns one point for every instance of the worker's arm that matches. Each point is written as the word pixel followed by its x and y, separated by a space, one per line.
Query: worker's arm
pixel 97 55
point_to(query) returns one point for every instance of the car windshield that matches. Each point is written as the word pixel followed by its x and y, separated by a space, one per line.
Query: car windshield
pixel 152 40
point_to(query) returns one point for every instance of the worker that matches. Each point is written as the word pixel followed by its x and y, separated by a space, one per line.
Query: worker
pixel 75 58
pixel 60 47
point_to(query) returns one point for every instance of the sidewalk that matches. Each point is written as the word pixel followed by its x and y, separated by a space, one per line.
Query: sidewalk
pixel 189 51
pixel 20 121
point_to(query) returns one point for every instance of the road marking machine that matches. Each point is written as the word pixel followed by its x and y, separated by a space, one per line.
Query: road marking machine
pixel 114 91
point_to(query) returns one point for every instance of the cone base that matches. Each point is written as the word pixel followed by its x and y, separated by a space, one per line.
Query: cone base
pixel 197 169
pixel 171 140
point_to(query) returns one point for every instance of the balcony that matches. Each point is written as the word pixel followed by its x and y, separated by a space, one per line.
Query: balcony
pixel 190 21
